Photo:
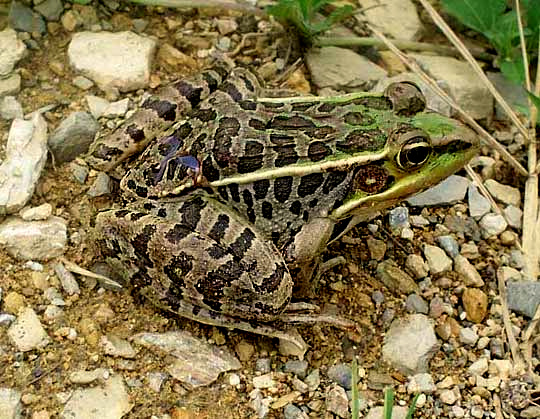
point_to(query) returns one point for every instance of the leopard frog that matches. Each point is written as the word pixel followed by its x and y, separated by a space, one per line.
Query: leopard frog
pixel 231 192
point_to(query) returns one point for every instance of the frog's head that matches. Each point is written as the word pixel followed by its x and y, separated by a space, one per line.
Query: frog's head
pixel 421 150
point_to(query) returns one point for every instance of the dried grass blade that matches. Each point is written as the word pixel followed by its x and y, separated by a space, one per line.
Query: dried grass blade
pixel 452 37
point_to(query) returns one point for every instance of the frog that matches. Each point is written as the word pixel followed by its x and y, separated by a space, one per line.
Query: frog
pixel 231 192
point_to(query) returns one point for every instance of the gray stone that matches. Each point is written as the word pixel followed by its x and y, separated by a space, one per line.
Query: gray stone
pixel 341 374
pixel 448 396
pixel 97 105
pixel 293 412
pixel 54 296
pixel 67 279
pixel 22 18
pixel 34 240
pixel 471 277
pixel 263 365
pixel 83 83
pixel 464 85
pixel 418 221
pixel 6 319
pixel 25 156
pixel 10 108
pixel 337 401
pixel 398 412
pixel 297 366
pixel 421 383
pixel 264 381
pixel 513 216
pixel 101 186
pixel 478 204
pixel 115 346
pixel 523 296
pixel 384 16
pixel 73 136
pixel 416 265
pixel 436 259
pixel 50 9
pixel 197 363
pixel 87 377
pixel 10 403
pixel 468 336
pixel 449 244
pixel 120 60
pixel 80 173
pixel 10 85
pixel 342 68
pixel 11 51
pixel 410 343
pixel 313 380
pixel 39 213
pixel 27 333
pixel 395 279
pixel 492 225
pixel 116 109
pixel 503 193
pixel 398 218
pixel 449 191
pixel 513 93
pixel 416 304
pixel 478 367
pixel 110 401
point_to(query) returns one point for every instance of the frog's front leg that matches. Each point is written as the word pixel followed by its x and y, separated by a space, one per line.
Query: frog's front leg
pixel 197 252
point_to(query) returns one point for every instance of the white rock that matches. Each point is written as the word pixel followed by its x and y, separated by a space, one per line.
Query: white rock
pixel 10 404
pixel 11 85
pixel 384 15
pixel 492 225
pixel 341 68
pixel 503 193
pixel 478 367
pixel 514 216
pixel 448 396
pixel 34 240
pixel 10 108
pixel 115 109
pixel 11 51
pixel 26 154
pixel 41 212
pixel 437 259
pixel 467 336
pixel 264 381
pixel 120 60
pixel 27 333
pixel 470 275
pixel 398 412
pixel 421 383
pixel 465 86
pixel 97 105
pixel 478 204
pixel 111 401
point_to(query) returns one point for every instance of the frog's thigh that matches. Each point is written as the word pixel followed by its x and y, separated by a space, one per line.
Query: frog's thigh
pixel 202 253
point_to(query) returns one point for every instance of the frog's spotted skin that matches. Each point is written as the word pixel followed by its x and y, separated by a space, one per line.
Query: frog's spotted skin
pixel 234 190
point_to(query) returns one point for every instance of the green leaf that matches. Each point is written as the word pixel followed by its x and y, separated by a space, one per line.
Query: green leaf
pixel 354 388
pixel 480 15
pixel 388 403
pixel 536 102
pixel 412 408
pixel 513 70
pixel 505 35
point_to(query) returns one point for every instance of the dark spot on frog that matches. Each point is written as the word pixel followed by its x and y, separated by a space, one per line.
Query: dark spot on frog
pixel 281 140
pixel 286 156
pixel 380 103
pixel 313 203
pixel 242 243
pixel 140 245
pixel 318 150
pixel 275 237
pixel 273 282
pixel 301 107
pixel 104 152
pixel 252 159
pixel 283 188
pixel 371 179
pixel 205 115
pixel 139 190
pixel 191 93
pixel 362 140
pixel 136 134
pixel 257 124
pixel 358 118
pixel 296 208
pixel 272 105
pixel 222 191
pixel 220 227
pixel 228 128
pixel 214 284
pixel 248 105
pixel 134 216
pixel 162 212
pixel 217 251
pixel 166 110
pixel 326 107
pixel 266 209
pixel 121 213
pixel 149 206
pixel 309 184
pixel 294 122
pixel 260 187
pixel 248 84
pixel 247 198
pixel 209 171
pixel 231 90
pixel 176 270
pixel 177 233
pixel 251 215
pixel 210 81
pixel 191 212
pixel 305 216
pixel 235 194
pixel 333 180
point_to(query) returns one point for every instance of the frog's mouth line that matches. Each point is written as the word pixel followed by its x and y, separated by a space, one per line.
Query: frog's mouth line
pixel 451 157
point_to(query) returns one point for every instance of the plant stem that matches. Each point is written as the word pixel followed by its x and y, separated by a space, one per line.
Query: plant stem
pixel 400 43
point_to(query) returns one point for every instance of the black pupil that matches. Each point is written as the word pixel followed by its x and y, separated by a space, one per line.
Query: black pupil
pixel 417 155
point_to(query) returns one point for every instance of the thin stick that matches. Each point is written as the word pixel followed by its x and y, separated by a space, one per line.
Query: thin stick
pixel 433 86
pixel 452 37
pixel 478 182
pixel 203 4
pixel 356 41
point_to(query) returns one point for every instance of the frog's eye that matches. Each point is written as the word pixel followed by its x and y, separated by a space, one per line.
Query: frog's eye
pixel 414 153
